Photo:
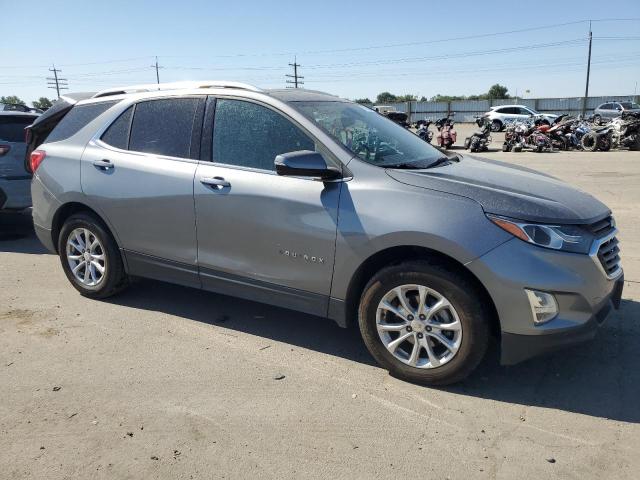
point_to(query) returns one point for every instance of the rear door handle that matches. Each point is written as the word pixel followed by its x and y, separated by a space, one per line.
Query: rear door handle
pixel 103 164
pixel 217 182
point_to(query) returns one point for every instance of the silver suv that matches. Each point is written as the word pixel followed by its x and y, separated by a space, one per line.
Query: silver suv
pixel 614 109
pixel 314 203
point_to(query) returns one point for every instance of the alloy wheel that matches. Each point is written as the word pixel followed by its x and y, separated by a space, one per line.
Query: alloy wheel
pixel 418 326
pixel 86 257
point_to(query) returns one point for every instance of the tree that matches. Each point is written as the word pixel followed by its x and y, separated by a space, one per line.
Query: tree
pixel 364 101
pixel 12 99
pixel 42 103
pixel 406 98
pixel 386 97
pixel 447 98
pixel 498 91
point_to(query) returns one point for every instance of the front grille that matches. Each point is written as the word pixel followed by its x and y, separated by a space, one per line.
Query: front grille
pixel 607 249
pixel 602 227
pixel 609 257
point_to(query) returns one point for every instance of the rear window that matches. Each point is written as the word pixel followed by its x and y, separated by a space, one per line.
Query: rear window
pixel 630 105
pixel 77 118
pixel 117 135
pixel 163 127
pixel 12 128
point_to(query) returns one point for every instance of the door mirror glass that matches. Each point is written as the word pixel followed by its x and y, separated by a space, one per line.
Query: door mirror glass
pixel 305 163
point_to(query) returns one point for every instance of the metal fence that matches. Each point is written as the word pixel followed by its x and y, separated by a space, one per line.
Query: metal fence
pixel 467 110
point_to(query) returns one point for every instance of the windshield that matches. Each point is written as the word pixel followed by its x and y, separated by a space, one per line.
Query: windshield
pixel 369 135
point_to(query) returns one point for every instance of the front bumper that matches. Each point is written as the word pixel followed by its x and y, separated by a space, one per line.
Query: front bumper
pixel 583 292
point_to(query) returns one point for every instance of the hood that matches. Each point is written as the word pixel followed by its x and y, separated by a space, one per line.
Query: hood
pixel 508 190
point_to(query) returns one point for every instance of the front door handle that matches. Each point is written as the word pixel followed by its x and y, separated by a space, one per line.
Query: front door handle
pixel 217 182
pixel 103 164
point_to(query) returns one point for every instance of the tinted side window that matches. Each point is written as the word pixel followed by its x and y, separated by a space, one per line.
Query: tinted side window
pixel 77 118
pixel 250 135
pixel 117 135
pixel 12 128
pixel 163 127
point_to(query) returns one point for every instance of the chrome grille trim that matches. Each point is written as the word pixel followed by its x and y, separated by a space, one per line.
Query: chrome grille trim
pixel 605 253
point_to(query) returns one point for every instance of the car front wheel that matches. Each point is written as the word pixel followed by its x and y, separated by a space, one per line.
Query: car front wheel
pixel 90 257
pixel 424 323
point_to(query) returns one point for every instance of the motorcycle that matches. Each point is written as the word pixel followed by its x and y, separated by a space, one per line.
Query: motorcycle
pixel 514 136
pixel 601 138
pixel 423 130
pixel 480 139
pixel 446 134
pixel 629 135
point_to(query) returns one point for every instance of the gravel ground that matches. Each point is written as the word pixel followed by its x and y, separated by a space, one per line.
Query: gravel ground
pixel 168 382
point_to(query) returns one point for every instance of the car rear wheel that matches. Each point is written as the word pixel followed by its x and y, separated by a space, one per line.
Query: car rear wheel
pixel 424 323
pixel 496 126
pixel 597 119
pixel 90 257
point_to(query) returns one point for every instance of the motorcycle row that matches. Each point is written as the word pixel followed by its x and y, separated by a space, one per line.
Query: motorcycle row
pixel 564 133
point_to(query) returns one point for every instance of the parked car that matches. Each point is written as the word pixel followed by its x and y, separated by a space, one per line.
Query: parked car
pixel 17 107
pixel 310 202
pixel 614 109
pixel 501 114
pixel 15 181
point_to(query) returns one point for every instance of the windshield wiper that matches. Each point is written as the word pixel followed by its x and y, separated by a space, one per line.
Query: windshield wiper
pixel 407 166
pixel 440 161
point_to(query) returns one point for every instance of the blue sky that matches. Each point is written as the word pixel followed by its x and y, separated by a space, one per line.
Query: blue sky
pixel 350 48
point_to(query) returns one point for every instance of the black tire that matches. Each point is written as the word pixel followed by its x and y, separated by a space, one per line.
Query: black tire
pixel 635 146
pixel 539 148
pixel 506 147
pixel 597 119
pixel 460 292
pixel 496 126
pixel 467 142
pixel 517 149
pixel 604 144
pixel 589 142
pixel 114 278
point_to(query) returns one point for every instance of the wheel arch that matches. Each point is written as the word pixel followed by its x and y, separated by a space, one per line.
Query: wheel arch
pixel 70 208
pixel 398 254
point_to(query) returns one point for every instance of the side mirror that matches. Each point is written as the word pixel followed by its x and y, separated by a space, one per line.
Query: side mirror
pixel 305 163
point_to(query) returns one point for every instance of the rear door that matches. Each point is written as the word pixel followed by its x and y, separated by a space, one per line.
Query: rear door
pixel 140 174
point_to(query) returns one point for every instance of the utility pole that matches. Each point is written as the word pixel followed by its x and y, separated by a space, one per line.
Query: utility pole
pixel 586 88
pixel 296 78
pixel 57 82
pixel 157 70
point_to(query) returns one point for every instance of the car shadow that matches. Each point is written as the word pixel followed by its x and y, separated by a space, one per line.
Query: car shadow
pixel 600 378
pixel 17 234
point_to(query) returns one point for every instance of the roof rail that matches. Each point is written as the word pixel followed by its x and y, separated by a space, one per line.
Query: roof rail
pixel 153 87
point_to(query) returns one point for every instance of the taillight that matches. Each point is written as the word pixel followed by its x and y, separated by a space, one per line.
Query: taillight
pixel 4 149
pixel 36 158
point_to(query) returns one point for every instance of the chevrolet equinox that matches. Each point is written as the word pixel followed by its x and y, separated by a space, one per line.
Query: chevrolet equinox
pixel 310 202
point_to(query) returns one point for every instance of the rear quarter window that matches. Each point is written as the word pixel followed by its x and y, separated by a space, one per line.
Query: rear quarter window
pixel 12 128
pixel 78 117
pixel 117 135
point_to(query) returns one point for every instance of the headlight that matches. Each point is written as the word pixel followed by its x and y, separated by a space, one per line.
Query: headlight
pixel 569 238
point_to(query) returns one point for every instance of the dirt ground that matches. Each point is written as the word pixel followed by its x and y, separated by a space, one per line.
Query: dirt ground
pixel 169 382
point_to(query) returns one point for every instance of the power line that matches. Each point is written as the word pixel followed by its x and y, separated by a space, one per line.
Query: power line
pixel 296 78
pixel 57 82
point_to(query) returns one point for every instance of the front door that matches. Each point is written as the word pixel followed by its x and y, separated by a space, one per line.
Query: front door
pixel 262 236
pixel 140 175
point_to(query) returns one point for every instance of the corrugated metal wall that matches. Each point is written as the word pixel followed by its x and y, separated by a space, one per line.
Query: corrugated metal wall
pixel 467 110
